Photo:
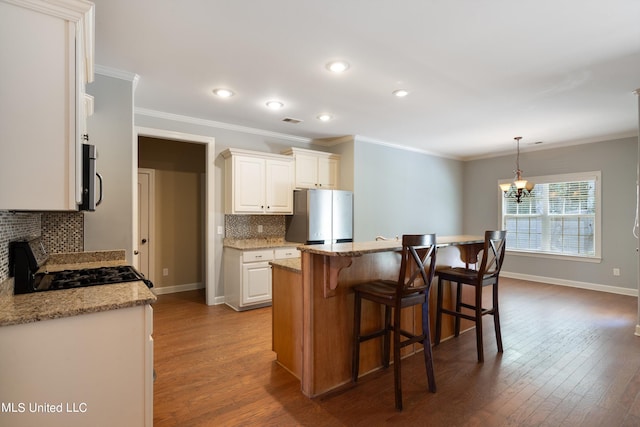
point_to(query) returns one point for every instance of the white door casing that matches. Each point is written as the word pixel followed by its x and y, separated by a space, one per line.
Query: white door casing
pixel 210 238
pixel 146 223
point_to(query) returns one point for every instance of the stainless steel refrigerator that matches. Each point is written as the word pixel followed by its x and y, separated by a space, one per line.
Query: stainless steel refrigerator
pixel 321 216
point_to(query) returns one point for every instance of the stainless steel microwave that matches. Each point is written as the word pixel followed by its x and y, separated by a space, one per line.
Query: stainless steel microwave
pixel 91 193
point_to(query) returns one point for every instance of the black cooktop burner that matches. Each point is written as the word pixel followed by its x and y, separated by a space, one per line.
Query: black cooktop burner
pixel 68 279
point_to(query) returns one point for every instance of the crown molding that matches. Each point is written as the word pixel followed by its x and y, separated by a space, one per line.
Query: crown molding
pixel 402 147
pixel 117 74
pixel 219 125
pixel 71 10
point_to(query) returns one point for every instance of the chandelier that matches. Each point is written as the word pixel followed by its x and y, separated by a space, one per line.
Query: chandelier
pixel 519 188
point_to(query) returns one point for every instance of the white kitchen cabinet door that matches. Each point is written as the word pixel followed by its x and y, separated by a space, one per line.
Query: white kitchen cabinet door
pixel 256 283
pixel 284 253
pixel 249 184
pixel 306 171
pixel 247 278
pixel 315 169
pixel 327 173
pixel 279 186
pixel 97 366
pixel 45 48
pixel 257 183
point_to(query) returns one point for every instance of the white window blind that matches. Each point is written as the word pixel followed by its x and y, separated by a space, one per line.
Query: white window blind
pixel 561 217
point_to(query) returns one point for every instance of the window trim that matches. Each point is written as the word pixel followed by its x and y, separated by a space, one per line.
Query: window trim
pixel 546 179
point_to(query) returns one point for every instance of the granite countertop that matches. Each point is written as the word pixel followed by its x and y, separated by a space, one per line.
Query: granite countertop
pixel 361 248
pixel 27 308
pixel 34 307
pixel 245 244
pixel 291 264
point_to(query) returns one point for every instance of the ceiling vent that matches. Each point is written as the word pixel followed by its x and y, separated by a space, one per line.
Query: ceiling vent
pixel 292 120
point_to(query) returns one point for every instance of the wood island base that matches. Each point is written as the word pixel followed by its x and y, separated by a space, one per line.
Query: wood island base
pixel 313 307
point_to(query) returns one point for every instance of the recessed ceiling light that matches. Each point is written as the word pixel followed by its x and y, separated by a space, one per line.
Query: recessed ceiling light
pixel 324 117
pixel 338 66
pixel 400 93
pixel 223 93
pixel 274 105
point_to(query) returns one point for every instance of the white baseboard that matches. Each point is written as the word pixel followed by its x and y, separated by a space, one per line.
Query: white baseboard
pixel 572 283
pixel 177 288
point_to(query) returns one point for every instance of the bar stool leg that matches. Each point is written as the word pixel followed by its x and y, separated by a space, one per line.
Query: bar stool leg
pixel 496 317
pixel 438 313
pixel 458 308
pixel 397 372
pixel 386 341
pixel 426 344
pixel 478 314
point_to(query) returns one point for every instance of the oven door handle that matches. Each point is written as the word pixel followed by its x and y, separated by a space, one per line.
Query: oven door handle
pixel 99 179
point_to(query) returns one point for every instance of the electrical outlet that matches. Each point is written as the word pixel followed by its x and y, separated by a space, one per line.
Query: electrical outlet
pixel 260 229
pixel 165 271
pixel 220 229
pixel 616 271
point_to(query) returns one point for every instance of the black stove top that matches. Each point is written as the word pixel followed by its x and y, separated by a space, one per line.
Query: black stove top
pixel 26 257
pixel 68 279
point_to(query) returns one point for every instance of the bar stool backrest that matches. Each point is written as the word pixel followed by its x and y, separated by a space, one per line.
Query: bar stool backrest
pixel 493 254
pixel 418 261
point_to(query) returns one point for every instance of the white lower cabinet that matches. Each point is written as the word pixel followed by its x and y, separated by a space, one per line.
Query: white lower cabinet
pixel 247 276
pixel 256 283
pixel 93 369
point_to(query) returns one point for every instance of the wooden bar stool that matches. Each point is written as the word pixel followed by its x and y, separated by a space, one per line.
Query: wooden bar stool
pixel 486 275
pixel 417 268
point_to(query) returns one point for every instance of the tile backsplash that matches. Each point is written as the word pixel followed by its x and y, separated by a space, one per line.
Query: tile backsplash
pixel 63 232
pixel 60 232
pixel 247 226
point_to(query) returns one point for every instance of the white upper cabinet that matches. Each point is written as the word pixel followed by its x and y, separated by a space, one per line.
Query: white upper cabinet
pixel 47 58
pixel 315 169
pixel 279 186
pixel 258 183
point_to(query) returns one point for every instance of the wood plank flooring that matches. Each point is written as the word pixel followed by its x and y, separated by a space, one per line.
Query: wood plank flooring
pixel 570 359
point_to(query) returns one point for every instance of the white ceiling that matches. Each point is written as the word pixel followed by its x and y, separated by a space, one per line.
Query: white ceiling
pixel 479 72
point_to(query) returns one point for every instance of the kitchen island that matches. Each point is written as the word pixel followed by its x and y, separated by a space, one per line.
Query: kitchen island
pixel 78 357
pixel 313 308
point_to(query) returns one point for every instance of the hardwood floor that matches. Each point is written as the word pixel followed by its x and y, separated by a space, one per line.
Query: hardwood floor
pixel 570 359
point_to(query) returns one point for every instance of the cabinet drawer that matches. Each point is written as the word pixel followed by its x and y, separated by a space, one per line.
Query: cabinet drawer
pixel 283 253
pixel 253 256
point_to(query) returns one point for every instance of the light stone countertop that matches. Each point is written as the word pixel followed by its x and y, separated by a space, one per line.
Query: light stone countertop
pixel 361 248
pixel 27 308
pixel 248 244
pixel 291 264
pixel 37 306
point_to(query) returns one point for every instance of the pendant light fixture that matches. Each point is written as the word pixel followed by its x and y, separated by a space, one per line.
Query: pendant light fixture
pixel 520 187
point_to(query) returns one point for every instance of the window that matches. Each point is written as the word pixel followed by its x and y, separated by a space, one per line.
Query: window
pixel 560 218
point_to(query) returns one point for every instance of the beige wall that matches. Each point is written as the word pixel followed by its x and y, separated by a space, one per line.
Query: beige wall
pixel 179 209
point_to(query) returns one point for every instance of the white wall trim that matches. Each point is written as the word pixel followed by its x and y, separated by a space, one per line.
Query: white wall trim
pixel 71 10
pixel 151 243
pixel 177 288
pixel 115 73
pixel 210 211
pixel 572 283
pixel 219 125
pixel 403 147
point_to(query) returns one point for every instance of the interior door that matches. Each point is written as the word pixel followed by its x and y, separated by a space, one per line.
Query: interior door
pixel 145 216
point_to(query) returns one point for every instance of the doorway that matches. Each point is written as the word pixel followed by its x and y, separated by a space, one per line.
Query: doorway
pixel 207 208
